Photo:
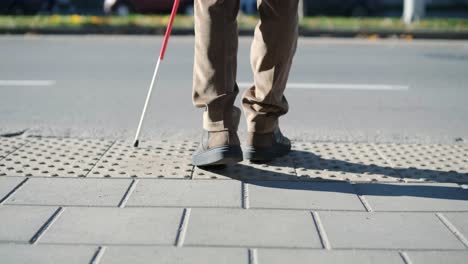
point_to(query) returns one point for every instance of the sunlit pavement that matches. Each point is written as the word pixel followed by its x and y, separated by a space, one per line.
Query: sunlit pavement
pixel 65 200
pixel 378 171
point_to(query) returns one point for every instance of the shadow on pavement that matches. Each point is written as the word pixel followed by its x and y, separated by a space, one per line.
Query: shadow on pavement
pixel 448 190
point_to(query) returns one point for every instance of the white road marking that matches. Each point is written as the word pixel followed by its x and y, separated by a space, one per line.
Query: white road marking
pixel 27 82
pixel 339 86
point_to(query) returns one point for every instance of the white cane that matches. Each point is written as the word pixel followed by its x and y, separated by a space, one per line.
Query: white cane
pixel 155 74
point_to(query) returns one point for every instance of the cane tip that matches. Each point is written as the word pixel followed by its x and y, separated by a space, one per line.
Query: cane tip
pixel 136 143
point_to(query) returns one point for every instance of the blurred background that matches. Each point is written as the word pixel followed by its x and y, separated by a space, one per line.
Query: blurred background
pixel 365 70
pixel 392 8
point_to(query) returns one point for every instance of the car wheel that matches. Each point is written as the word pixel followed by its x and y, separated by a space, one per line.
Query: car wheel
pixel 359 11
pixel 122 9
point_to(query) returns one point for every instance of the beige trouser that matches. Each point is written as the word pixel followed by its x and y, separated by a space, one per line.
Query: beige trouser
pixel 215 65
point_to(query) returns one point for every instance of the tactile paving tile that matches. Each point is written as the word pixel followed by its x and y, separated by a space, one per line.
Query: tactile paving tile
pixel 341 162
pixel 8 145
pixel 417 162
pixel 280 169
pixel 160 159
pixel 54 157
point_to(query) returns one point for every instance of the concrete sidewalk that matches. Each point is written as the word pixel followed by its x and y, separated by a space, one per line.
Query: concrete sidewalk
pixel 102 201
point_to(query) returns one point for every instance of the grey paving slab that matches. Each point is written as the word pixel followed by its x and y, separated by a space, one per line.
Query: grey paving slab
pixel 45 254
pixel 54 157
pixel 187 193
pixel 280 256
pixel 427 162
pixel 7 184
pixel 235 171
pixel 342 162
pixel 20 223
pixel 415 197
pixel 303 195
pixel 115 226
pixel 160 159
pixel 460 221
pixel 387 231
pixel 437 257
pixel 170 255
pixel 8 145
pixel 279 169
pixel 71 192
pixel 251 228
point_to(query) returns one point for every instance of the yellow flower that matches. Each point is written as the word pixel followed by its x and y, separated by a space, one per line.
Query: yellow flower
pixel 75 19
pixel 165 20
pixel 96 20
pixel 55 19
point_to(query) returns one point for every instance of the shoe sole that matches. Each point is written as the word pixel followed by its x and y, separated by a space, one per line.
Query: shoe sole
pixel 266 154
pixel 218 156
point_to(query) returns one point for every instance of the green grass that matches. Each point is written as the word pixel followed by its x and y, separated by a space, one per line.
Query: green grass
pixel 245 22
pixel 341 23
pixel 75 21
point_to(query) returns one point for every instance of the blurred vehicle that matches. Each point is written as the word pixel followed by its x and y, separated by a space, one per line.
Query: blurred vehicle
pixel 434 8
pixel 357 8
pixel 84 7
pixel 24 7
pixel 248 7
pixel 125 7
pixel 327 7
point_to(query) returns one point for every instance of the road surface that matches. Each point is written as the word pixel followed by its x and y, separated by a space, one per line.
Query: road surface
pixel 340 89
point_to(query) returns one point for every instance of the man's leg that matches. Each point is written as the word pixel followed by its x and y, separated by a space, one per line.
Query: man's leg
pixel 214 79
pixel 272 52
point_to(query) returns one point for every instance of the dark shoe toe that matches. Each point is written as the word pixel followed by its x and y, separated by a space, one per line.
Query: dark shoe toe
pixel 224 155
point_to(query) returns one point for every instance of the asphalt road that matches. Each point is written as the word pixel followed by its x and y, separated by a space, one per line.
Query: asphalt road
pixel 340 90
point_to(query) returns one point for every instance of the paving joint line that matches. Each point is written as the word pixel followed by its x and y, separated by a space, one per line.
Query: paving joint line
pixel 96 259
pixel 16 149
pixel 128 193
pixel 245 195
pixel 293 160
pixel 4 199
pixel 245 179
pixel 321 231
pixel 461 183
pixel 253 256
pixel 46 225
pixel 182 231
pixel 365 203
pixel 453 229
pixel 164 245
pixel 192 173
pixel 361 198
pixel 374 146
pixel 233 208
pixel 391 164
pixel 404 256
pixel 100 158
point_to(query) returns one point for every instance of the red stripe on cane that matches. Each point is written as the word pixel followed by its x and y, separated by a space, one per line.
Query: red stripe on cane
pixel 169 29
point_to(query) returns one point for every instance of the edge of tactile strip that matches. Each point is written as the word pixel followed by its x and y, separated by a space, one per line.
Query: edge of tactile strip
pixel 350 162
pixel 49 157
pixel 159 159
pixel 427 162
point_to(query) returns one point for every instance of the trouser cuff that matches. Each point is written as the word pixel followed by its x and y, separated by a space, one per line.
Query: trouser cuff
pixel 222 121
